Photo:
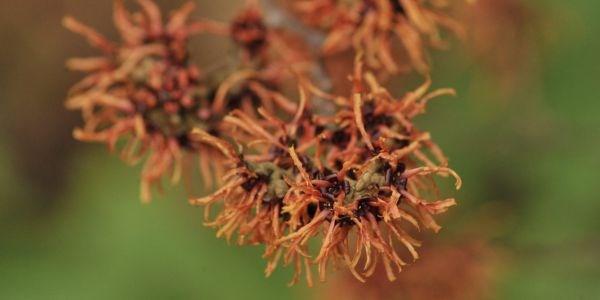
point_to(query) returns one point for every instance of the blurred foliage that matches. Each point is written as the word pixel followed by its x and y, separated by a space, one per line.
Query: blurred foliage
pixel 104 244
pixel 72 226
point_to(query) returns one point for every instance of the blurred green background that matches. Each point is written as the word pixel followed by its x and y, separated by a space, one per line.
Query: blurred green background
pixel 524 133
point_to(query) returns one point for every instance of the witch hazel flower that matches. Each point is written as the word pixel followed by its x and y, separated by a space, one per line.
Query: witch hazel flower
pixel 379 27
pixel 349 180
pixel 144 96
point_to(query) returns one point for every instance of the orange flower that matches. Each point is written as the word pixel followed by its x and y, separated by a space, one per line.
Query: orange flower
pixel 374 26
pixel 143 90
pixel 357 175
pixel 146 92
pixel 262 44
pixel 352 167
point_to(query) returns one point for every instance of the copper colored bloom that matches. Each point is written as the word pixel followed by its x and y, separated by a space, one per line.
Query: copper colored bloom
pixel 267 46
pixel 143 92
pixel 146 93
pixel 268 59
pixel 249 30
pixel 376 26
pixel 353 179
pixel 351 171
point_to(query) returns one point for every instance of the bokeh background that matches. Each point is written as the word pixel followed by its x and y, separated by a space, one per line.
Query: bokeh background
pixel 524 133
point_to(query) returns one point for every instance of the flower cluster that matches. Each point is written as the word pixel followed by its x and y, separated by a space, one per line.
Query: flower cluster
pixel 376 26
pixel 145 92
pixel 349 169
pixel 358 175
